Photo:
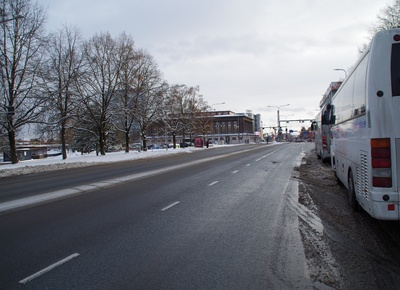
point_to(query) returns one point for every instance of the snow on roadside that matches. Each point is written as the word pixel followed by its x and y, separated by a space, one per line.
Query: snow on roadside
pixel 75 160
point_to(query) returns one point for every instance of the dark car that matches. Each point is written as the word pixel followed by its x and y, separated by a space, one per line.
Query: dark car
pixel 153 146
pixel 186 144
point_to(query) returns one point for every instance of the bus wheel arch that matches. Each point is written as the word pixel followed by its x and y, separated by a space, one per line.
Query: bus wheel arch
pixel 351 192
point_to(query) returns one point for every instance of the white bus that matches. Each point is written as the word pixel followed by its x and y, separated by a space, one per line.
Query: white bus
pixel 323 122
pixel 365 149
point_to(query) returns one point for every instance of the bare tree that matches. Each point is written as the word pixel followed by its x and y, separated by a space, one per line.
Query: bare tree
pixel 181 109
pixel 125 106
pixel 20 61
pixel 202 120
pixel 150 92
pixel 170 112
pixel 388 18
pixel 188 111
pixel 99 85
pixel 63 67
pixel 186 105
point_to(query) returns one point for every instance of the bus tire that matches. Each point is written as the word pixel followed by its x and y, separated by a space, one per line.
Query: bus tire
pixel 352 193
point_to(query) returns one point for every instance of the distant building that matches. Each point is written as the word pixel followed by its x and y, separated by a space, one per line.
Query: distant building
pixel 223 127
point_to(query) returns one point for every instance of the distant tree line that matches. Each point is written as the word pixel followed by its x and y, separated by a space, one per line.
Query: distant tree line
pixel 84 93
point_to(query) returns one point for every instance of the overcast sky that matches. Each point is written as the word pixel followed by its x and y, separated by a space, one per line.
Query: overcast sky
pixel 250 54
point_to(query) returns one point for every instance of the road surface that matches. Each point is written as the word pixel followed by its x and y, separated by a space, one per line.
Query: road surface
pixel 227 220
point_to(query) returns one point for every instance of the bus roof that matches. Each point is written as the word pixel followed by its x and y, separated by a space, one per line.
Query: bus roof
pixel 330 91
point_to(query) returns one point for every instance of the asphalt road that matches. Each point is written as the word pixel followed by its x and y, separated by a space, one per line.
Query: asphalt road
pixel 218 221
pixel 33 184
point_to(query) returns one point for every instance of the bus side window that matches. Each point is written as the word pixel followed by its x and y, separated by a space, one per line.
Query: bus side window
pixel 325 118
pixel 333 116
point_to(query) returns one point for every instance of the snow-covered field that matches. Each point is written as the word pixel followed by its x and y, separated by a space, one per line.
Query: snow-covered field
pixel 78 160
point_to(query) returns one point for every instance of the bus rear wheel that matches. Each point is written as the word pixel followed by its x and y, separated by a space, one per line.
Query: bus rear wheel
pixel 352 193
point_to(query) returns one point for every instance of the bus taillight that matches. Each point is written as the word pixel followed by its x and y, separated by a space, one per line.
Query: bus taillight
pixel 324 143
pixel 381 162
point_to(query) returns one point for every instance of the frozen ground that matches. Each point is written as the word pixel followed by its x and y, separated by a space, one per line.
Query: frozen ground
pixel 365 251
pixel 78 160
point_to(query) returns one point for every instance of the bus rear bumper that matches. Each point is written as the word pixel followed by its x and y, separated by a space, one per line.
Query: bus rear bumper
pixel 385 210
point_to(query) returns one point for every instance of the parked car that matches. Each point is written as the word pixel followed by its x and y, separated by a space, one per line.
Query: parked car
pixel 114 148
pixel 153 146
pixel 186 144
pixel 212 143
pixel 136 146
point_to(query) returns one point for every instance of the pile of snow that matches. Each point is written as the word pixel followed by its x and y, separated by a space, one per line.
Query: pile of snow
pixel 78 160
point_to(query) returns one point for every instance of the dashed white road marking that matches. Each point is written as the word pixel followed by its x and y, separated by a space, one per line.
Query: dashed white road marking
pixel 265 156
pixel 212 183
pixel 171 205
pixel 49 268
pixel 236 171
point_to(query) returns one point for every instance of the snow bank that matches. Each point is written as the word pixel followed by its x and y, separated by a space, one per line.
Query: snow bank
pixel 77 160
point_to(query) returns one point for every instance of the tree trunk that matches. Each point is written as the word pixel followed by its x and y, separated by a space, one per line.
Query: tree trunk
pixel 102 142
pixel 127 142
pixel 174 140
pixel 63 142
pixel 126 134
pixel 13 146
pixel 144 143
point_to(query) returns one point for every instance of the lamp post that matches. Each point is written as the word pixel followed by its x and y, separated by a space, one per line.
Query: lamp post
pixel 277 113
pixel 345 72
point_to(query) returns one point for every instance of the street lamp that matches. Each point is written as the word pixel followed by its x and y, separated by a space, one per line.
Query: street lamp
pixel 279 121
pixel 345 72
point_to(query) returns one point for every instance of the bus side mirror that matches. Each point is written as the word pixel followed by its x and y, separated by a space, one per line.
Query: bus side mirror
pixel 314 126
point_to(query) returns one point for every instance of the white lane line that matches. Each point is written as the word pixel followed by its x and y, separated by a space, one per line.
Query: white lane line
pixel 248 165
pixel 265 156
pixel 212 183
pixel 236 171
pixel 13 205
pixel 171 205
pixel 49 268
